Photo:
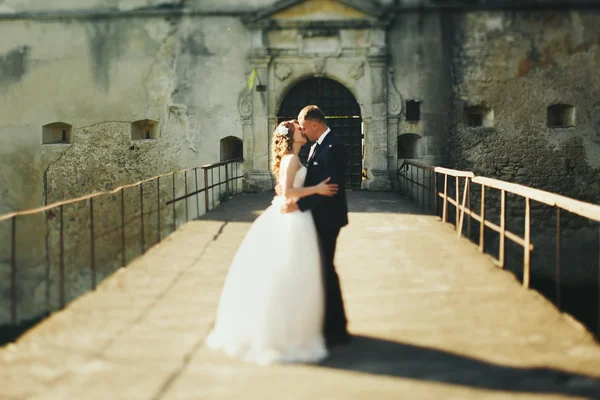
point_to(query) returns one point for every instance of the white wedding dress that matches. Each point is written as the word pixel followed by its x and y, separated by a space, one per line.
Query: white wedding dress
pixel 272 305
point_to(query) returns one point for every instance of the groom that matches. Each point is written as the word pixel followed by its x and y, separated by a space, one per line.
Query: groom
pixel 327 159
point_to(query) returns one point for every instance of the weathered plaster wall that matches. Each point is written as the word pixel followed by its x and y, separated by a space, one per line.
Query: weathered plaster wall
pixel 100 76
pixel 420 61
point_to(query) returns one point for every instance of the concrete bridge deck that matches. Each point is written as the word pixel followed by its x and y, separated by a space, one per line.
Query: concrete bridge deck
pixel 432 318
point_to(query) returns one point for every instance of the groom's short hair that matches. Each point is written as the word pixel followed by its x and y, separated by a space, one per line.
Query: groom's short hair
pixel 312 113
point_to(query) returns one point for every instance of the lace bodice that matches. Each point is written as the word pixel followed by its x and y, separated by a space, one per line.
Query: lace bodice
pixel 300 174
pixel 300 177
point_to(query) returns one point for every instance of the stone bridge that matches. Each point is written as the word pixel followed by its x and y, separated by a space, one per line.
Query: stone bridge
pixel 432 317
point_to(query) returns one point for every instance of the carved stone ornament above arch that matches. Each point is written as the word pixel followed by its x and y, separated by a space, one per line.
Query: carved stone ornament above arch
pixel 357 70
pixel 394 98
pixel 319 65
pixel 282 71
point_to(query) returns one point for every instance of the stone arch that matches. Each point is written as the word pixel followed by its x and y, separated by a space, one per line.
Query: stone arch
pixel 281 92
pixel 343 117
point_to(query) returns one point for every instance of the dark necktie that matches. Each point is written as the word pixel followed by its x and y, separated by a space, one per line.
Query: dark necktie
pixel 314 151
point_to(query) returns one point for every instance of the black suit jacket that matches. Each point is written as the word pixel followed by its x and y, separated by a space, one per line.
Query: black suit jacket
pixel 329 160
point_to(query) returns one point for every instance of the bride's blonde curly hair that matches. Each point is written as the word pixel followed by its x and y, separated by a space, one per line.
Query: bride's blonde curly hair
pixel 282 145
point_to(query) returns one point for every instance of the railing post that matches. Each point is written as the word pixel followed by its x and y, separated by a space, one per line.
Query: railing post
pixel 526 249
pixel 459 226
pixel 92 245
pixel 212 184
pixel 219 173
pixel 159 236
pixel 502 227
pixel 423 190
pixel 143 244
pixel 411 181
pixel 13 272
pixel 62 261
pixel 403 181
pixel 435 192
pixel 227 180
pixel 197 197
pixel 558 244
pixel 457 199
pixel 469 208
pixel 174 211
pixel 123 249
pixel 235 166
pixel 445 206
pixel 206 206
pixel 482 222
pixel 186 199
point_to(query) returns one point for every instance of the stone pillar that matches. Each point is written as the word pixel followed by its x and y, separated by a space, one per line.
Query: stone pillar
pixel 395 106
pixel 245 110
pixel 376 149
pixel 259 177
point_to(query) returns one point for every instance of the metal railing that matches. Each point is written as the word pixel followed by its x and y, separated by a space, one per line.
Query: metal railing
pixel 414 177
pixel 229 170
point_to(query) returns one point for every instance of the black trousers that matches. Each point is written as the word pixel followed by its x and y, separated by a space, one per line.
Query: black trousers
pixel 335 315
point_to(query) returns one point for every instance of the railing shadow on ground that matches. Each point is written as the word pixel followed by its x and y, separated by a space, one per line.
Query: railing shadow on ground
pixel 377 356
pixel 94 235
pixel 551 243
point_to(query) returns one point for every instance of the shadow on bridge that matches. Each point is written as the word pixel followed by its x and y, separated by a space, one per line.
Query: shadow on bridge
pixel 431 316
pixel 410 233
pixel 371 355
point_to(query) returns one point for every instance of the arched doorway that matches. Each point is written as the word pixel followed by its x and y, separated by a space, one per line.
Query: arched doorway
pixel 343 117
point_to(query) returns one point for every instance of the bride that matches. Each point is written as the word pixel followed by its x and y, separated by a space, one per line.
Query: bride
pixel 272 305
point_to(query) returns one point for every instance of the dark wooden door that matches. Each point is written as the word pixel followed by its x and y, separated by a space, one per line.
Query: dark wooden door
pixel 343 117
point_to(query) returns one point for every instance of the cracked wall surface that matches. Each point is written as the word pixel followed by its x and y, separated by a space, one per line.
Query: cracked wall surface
pixel 100 76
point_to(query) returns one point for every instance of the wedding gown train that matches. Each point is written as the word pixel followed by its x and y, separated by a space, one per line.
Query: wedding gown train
pixel 272 304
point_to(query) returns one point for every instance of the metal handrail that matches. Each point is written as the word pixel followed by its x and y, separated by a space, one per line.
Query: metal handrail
pixel 231 170
pixel 463 207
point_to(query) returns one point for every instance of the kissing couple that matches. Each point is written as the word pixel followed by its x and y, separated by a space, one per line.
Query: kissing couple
pixel 282 301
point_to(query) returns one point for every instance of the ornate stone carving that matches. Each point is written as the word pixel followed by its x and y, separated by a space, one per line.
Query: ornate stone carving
pixel 394 98
pixel 357 70
pixel 245 103
pixel 319 65
pixel 282 71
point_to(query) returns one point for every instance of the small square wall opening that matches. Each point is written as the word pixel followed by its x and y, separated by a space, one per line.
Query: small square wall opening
pixel 231 148
pixel 144 129
pixel 413 111
pixel 409 146
pixel 478 116
pixel 57 133
pixel 561 116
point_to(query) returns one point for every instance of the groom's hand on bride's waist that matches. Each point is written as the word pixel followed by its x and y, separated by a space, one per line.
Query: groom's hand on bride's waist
pixel 289 206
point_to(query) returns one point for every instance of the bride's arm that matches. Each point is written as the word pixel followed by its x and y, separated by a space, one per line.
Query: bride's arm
pixel 289 191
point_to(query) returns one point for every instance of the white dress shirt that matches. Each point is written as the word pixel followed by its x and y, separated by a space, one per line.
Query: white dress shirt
pixel 319 141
